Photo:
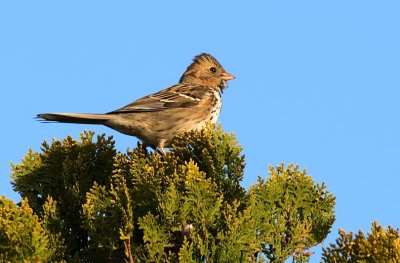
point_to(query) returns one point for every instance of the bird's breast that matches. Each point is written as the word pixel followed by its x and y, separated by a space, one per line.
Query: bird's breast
pixel 216 105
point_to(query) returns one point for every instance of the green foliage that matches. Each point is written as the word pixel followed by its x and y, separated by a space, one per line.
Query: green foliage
pixel 218 155
pixel 98 205
pixel 292 213
pixel 65 172
pixel 22 238
pixel 380 245
pixel 151 200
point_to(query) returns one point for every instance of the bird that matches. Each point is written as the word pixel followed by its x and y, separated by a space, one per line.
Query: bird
pixel 157 118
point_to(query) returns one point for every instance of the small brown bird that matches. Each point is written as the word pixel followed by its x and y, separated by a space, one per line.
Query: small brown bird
pixel 157 118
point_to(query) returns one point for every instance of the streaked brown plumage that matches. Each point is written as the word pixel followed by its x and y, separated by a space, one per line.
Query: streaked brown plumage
pixel 157 118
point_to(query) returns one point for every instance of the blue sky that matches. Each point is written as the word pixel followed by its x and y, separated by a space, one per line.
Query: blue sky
pixel 317 83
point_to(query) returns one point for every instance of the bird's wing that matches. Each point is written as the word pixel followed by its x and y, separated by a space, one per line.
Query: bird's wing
pixel 182 95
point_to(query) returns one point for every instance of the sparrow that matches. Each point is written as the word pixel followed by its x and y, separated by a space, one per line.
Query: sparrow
pixel 157 118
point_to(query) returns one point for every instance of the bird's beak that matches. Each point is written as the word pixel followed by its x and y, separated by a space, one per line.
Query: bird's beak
pixel 227 76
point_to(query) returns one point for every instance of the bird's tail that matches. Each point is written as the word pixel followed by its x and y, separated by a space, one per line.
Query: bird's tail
pixel 82 118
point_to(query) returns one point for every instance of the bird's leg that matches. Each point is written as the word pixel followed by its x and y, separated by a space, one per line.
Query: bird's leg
pixel 160 146
pixel 160 151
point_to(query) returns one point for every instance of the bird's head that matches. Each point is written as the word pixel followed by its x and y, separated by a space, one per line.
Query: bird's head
pixel 206 71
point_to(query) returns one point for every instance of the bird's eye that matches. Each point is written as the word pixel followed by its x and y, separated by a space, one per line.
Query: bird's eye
pixel 213 69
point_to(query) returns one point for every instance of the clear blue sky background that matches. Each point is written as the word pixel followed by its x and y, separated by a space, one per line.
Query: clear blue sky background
pixel 317 83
